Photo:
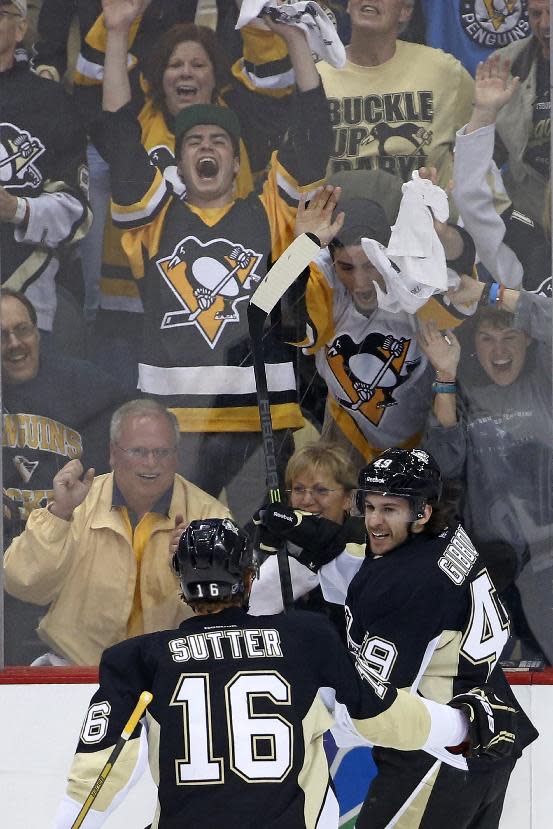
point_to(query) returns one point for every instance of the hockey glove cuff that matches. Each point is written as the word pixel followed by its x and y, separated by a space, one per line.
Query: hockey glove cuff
pixel 492 723
pixel 314 540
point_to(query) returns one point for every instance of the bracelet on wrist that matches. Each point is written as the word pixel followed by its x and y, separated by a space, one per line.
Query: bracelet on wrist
pixel 445 387
pixel 485 292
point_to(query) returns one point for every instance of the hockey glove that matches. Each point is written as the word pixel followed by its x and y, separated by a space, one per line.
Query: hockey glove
pixel 492 723
pixel 311 539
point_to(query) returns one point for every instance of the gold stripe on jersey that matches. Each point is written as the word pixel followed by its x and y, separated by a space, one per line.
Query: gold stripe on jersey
pixel 89 71
pixel 32 266
pixel 351 430
pixel 281 212
pixel 355 549
pixel 154 732
pixel 113 286
pixel 147 236
pixel 313 776
pixel 141 212
pixel 261 49
pixel 405 725
pixel 97 36
pixel 237 418
pixel 319 300
pixel 86 768
pixel 411 813
pixel 443 668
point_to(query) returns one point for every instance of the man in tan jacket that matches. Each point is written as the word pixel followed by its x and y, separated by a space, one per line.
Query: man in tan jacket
pixel 98 554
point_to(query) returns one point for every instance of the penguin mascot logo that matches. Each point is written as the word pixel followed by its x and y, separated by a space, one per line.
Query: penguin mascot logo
pixel 18 152
pixel 209 281
pixel 369 372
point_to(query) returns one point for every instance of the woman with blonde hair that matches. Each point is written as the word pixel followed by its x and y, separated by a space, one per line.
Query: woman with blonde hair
pixel 316 524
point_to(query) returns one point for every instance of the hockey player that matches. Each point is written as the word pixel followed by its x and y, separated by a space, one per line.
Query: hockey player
pixel 240 705
pixel 422 614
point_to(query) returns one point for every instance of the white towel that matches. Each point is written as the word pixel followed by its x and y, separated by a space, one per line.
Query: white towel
pixel 321 35
pixel 413 266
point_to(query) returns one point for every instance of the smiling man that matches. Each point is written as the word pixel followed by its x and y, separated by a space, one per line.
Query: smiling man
pixel 98 553
pixel 422 612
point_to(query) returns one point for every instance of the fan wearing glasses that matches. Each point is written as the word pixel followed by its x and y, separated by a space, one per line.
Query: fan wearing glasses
pixel 319 482
pixel 97 554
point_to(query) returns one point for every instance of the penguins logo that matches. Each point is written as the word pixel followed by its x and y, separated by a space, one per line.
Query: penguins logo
pixel 209 281
pixel 412 135
pixel 370 371
pixel 494 23
pixel 18 152
pixel 24 467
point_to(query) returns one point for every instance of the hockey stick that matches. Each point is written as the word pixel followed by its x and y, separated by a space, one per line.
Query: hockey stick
pixel 278 280
pixel 143 701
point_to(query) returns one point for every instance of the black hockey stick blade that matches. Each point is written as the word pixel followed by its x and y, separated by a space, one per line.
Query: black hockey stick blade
pixel 280 277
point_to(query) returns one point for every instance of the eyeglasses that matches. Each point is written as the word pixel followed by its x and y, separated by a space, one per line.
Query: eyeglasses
pixel 141 453
pixel 9 14
pixel 317 492
pixel 23 331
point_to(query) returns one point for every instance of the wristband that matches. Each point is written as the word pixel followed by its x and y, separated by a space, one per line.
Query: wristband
pixel 445 387
pixel 485 296
pixel 493 292
pixel 20 211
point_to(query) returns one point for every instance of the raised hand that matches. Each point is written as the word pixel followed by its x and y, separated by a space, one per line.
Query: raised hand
pixel 442 349
pixel 180 527
pixel 69 489
pixel 316 217
pixel 119 14
pixel 493 88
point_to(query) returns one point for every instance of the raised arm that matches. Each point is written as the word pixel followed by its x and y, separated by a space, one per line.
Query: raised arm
pixel 478 188
pixel 118 17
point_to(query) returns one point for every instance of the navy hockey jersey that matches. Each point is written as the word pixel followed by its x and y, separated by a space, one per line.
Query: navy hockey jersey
pixel 426 617
pixel 235 728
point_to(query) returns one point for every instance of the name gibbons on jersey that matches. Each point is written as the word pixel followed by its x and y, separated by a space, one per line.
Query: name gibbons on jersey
pixel 219 644
pixel 459 557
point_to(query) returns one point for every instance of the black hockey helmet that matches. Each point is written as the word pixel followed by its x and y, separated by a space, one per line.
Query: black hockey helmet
pixel 212 558
pixel 404 473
